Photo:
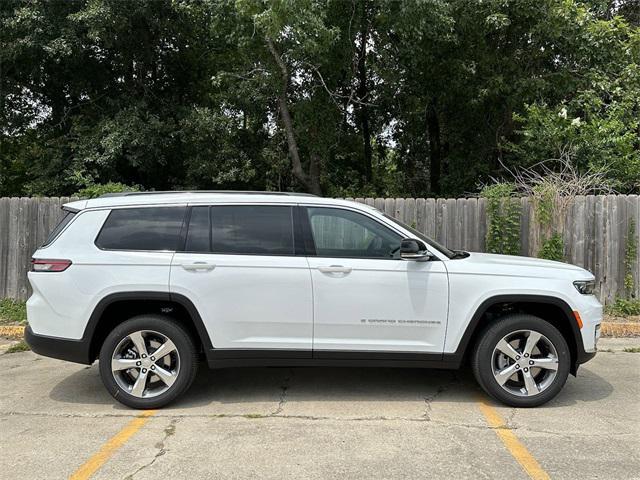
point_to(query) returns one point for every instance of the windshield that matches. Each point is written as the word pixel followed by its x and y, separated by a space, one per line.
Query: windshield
pixel 421 236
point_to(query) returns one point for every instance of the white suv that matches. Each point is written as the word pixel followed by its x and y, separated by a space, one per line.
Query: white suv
pixel 151 283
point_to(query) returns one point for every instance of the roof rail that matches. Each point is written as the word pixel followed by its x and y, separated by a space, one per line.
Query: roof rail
pixel 233 192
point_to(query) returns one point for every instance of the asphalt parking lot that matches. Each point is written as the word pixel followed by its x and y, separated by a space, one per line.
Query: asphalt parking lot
pixel 56 420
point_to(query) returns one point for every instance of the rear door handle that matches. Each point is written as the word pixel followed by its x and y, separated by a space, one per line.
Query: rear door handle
pixel 198 266
pixel 335 269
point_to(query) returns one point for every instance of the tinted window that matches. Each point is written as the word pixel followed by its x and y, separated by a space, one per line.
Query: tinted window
pixel 344 233
pixel 258 230
pixel 155 228
pixel 68 216
pixel 198 235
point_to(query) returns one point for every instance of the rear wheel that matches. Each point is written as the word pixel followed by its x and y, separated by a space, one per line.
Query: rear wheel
pixel 521 360
pixel 148 361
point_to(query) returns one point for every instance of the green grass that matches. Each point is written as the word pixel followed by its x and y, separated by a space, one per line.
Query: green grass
pixel 253 415
pixel 21 346
pixel 624 308
pixel 632 350
pixel 12 312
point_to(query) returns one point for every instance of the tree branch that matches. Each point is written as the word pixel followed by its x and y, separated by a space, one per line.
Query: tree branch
pixel 285 114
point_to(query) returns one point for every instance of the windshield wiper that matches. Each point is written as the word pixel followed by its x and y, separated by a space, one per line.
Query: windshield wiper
pixel 459 254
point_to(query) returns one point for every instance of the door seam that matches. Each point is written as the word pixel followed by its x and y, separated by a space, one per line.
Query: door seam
pixel 313 307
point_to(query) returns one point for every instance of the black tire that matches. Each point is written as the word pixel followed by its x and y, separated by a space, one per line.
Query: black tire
pixel 185 348
pixel 482 360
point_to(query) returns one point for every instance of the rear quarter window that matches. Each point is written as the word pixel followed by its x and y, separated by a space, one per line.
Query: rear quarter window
pixel 64 221
pixel 150 228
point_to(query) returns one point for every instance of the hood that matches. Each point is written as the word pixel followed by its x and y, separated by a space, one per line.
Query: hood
pixel 489 263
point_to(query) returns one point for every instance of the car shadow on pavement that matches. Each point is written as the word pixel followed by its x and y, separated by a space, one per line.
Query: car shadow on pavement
pixel 248 387
pixel 588 386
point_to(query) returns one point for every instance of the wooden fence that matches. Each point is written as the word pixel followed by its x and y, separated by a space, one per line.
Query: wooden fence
pixel 595 236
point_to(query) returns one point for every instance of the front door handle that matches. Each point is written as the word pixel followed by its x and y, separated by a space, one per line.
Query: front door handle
pixel 198 266
pixel 335 269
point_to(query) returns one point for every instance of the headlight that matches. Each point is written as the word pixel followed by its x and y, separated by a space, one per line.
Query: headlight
pixel 585 287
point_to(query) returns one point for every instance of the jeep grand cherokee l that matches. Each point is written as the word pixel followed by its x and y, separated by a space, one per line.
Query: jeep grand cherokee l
pixel 152 283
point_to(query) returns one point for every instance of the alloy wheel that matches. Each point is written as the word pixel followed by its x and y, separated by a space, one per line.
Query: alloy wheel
pixel 145 363
pixel 524 363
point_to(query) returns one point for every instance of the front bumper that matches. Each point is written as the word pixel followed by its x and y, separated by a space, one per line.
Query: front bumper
pixel 589 333
pixel 584 357
pixel 61 348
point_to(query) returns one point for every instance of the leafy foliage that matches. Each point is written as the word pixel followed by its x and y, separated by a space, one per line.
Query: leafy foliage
pixel 630 258
pixel 503 212
pixel 370 97
pixel 623 307
pixel 552 248
pixel 544 204
pixel 12 311
pixel 95 190
pixel 598 123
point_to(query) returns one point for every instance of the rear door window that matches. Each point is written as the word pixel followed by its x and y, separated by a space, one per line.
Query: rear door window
pixel 151 228
pixel 252 230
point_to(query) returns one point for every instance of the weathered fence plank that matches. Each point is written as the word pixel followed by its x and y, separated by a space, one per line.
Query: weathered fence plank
pixel 4 246
pixel 595 233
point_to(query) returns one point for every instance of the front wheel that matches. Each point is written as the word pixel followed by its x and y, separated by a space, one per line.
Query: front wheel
pixel 521 360
pixel 148 361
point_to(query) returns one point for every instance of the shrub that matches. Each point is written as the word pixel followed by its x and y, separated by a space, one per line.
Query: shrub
pixel 624 308
pixel 96 189
pixel 552 248
pixel 503 211
pixel 12 311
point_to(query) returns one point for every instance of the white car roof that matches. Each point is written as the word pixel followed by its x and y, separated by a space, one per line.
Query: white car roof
pixel 194 197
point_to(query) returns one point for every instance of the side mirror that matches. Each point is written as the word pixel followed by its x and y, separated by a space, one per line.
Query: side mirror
pixel 412 249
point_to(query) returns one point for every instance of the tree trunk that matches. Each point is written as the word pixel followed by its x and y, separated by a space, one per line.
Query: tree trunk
pixel 314 174
pixel 363 92
pixel 311 182
pixel 435 147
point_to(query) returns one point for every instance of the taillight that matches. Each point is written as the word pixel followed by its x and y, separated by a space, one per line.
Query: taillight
pixel 49 265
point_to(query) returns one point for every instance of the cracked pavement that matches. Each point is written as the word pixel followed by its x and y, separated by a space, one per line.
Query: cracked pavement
pixel 318 423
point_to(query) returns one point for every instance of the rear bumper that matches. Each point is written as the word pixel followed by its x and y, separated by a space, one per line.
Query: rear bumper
pixel 61 348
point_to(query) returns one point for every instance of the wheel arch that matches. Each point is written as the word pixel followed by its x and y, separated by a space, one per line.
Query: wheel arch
pixel 552 309
pixel 109 312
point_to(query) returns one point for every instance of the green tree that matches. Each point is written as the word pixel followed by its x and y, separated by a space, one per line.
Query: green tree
pixel 360 97
pixel 596 122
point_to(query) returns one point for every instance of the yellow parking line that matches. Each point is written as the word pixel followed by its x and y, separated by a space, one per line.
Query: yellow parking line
pixel 511 442
pixel 108 449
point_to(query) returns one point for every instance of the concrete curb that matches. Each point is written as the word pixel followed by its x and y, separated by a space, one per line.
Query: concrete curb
pixel 608 329
pixel 614 329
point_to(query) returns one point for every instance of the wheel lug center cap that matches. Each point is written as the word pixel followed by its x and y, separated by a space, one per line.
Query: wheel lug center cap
pixel 145 363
